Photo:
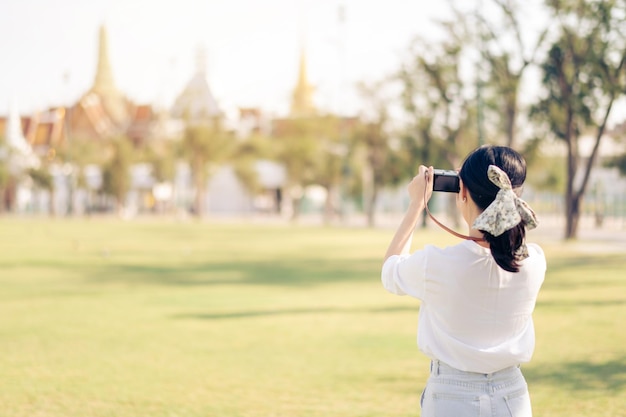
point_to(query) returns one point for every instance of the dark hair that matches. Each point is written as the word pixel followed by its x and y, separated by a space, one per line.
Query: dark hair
pixel 474 175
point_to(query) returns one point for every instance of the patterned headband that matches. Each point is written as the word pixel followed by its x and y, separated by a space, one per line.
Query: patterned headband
pixel 507 210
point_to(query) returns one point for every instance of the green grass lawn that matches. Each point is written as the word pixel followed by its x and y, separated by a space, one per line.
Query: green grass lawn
pixel 164 318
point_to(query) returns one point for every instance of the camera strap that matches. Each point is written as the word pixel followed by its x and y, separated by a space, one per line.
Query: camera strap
pixel 444 227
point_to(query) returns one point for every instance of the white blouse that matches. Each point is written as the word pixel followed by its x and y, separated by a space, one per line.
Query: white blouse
pixel 474 315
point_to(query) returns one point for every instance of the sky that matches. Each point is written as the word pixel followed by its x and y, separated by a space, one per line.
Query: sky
pixel 48 48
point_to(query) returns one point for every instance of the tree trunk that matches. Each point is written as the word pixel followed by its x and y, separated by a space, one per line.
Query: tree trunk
pixel 198 203
pixel 329 205
pixel 572 203
pixel 369 190
pixel 371 206
pixel 573 198
pixel 511 114
pixel 10 195
pixel 52 207
pixel 120 204
pixel 199 180
pixel 296 205
pixel 572 218
pixel 572 206
pixel 70 197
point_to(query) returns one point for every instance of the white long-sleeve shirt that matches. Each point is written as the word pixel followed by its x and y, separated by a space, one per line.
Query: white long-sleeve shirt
pixel 474 315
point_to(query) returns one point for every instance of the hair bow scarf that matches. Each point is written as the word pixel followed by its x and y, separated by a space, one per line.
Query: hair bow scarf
pixel 507 210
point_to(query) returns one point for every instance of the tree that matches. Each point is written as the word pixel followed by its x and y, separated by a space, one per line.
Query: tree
pixel 78 153
pixel 618 162
pixel 205 146
pixel 297 147
pixel 437 99
pixel 436 96
pixel 116 179
pixel 161 155
pixel 43 180
pixel 245 154
pixel 4 183
pixel 372 139
pixel 506 64
pixel 331 163
pixel 583 76
pixel 5 175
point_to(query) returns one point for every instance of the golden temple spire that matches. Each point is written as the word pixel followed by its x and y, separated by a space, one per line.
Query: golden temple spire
pixel 113 101
pixel 103 81
pixel 302 99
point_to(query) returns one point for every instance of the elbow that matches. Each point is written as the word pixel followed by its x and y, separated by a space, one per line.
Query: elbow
pixel 387 275
pixel 391 277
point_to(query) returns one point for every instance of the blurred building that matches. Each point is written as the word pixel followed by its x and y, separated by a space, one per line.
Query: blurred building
pixel 225 193
pixel 196 103
pixel 101 113
pixel 104 111
pixel 19 158
pixel 39 130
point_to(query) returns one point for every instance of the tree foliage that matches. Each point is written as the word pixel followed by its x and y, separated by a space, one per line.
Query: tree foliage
pixel 162 156
pixel 116 176
pixel 435 96
pixel 378 164
pixel 506 54
pixel 583 76
pixel 41 178
pixel 206 147
pixel 313 150
pixel 246 154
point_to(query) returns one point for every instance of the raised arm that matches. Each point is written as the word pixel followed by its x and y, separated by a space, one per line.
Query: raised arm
pixel 418 196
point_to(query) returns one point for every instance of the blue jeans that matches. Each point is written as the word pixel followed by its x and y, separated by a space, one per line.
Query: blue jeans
pixel 453 393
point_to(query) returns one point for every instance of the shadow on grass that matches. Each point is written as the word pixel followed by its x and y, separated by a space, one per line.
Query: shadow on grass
pixel 310 271
pixel 295 311
pixel 280 273
pixel 582 376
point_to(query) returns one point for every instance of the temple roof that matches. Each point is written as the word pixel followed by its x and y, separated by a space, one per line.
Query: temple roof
pixel 196 103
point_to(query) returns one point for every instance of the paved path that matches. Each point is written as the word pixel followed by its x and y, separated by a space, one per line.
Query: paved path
pixel 610 238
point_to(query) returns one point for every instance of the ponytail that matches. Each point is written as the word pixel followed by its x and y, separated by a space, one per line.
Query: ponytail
pixel 504 248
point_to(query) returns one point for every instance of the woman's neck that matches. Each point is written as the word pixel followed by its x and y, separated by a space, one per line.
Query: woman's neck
pixel 472 213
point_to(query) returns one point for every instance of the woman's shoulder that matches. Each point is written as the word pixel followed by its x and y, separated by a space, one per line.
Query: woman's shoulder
pixel 536 255
pixel 534 248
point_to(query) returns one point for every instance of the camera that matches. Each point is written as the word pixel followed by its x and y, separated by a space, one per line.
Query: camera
pixel 446 181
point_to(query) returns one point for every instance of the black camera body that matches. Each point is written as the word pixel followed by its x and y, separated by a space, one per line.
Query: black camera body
pixel 446 181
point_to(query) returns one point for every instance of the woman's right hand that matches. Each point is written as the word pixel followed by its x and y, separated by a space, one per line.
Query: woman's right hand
pixel 419 189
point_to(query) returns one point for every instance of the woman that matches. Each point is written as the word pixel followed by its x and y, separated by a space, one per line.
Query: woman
pixel 477 297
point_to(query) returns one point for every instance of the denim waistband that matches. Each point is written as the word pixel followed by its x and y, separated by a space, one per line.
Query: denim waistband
pixel 440 368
